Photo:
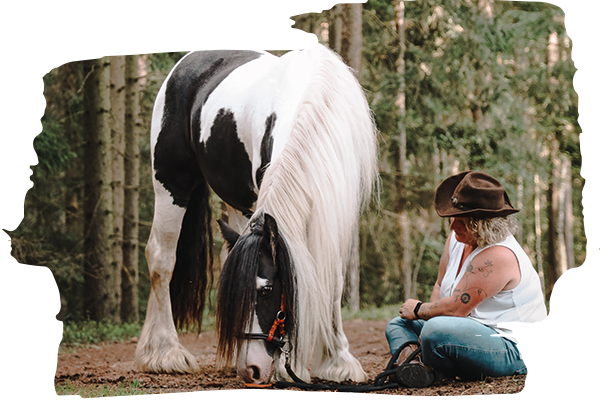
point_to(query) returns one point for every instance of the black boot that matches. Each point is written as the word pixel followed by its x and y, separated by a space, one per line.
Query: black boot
pixel 411 372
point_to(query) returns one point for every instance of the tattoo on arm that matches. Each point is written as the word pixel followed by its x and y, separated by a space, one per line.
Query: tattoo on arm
pixel 485 270
pixel 465 298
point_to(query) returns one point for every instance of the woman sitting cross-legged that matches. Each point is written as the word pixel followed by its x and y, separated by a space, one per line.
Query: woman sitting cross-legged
pixel 484 279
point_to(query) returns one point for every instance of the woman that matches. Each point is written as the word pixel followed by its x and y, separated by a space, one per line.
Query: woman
pixel 484 279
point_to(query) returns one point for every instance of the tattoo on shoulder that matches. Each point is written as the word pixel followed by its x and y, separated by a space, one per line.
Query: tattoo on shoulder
pixel 465 298
pixel 486 270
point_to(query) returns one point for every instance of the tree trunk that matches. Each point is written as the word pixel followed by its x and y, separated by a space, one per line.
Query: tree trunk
pixel 552 207
pixel 401 163
pixel 130 273
pixel 348 24
pixel 99 274
pixel 538 232
pixel 335 28
pixel 351 41
pixel 565 233
pixel 117 120
pixel 266 40
pixel 71 82
pixel 520 196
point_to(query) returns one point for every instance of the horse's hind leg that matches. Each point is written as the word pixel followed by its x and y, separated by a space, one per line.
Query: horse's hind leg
pixel 158 349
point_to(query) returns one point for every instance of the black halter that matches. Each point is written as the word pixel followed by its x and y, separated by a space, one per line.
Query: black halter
pixel 278 324
pixel 279 341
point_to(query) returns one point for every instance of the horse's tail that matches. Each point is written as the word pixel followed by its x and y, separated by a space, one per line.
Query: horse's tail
pixel 193 277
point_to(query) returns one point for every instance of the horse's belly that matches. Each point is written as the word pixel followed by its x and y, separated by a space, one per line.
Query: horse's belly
pixel 226 165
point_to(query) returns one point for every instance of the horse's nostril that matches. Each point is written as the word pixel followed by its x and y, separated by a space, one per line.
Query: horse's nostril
pixel 255 372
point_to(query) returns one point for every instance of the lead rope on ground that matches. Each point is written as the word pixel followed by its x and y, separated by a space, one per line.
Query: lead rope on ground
pixel 379 382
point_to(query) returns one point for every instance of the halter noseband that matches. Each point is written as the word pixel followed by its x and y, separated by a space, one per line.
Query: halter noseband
pixel 278 323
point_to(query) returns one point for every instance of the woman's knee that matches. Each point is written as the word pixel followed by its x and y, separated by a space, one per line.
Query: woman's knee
pixel 393 326
pixel 442 330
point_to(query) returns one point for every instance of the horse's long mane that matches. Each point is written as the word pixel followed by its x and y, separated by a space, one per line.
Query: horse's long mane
pixel 316 187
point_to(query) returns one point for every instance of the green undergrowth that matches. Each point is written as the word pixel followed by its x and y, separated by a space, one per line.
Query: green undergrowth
pixel 371 313
pixel 121 389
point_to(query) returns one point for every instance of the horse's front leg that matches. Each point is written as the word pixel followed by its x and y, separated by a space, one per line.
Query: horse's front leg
pixel 158 349
pixel 333 360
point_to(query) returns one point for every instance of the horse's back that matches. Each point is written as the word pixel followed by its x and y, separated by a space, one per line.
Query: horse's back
pixel 177 114
pixel 225 116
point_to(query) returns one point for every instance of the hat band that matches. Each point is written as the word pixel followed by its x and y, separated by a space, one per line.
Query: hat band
pixel 460 206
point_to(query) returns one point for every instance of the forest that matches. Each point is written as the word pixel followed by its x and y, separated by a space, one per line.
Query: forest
pixel 453 85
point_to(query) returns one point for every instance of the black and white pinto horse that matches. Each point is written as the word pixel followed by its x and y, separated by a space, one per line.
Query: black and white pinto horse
pixel 289 143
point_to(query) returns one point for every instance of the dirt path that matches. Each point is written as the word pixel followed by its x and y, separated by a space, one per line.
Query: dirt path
pixel 111 364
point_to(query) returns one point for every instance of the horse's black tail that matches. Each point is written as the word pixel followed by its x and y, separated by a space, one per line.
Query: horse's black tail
pixel 193 277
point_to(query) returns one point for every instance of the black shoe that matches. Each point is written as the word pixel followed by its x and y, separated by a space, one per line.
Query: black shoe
pixel 415 375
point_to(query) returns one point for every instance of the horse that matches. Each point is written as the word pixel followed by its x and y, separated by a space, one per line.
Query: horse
pixel 289 144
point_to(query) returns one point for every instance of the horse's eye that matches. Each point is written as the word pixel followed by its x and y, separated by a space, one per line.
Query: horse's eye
pixel 266 291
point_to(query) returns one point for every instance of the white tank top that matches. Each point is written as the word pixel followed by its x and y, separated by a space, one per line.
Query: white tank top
pixel 524 303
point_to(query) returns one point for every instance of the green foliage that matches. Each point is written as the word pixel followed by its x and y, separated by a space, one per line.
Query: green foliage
pixel 38 333
pixel 480 94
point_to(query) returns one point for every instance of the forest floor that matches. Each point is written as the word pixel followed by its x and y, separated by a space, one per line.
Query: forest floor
pixel 82 370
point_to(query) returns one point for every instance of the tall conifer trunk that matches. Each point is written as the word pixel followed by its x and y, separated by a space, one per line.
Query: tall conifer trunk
pixel 99 275
pixel 401 163
pixel 117 120
pixel 350 44
pixel 351 40
pixel 554 187
pixel 130 274
pixel 335 28
pixel 538 231
pixel 565 217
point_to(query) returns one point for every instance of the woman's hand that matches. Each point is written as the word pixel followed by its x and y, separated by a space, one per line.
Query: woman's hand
pixel 407 310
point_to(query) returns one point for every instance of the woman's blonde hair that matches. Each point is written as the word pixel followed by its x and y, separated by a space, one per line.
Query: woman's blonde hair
pixel 490 231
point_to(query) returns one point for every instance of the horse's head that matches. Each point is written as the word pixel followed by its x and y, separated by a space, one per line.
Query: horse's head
pixel 255 306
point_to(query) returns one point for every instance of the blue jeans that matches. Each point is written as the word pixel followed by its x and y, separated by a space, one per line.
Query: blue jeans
pixel 458 347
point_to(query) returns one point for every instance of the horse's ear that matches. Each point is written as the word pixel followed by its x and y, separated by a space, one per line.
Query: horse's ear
pixel 229 234
pixel 270 233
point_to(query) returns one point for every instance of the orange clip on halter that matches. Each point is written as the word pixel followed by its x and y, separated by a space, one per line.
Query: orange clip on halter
pixel 279 321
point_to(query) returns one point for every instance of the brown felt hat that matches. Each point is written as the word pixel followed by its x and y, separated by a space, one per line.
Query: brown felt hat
pixel 472 194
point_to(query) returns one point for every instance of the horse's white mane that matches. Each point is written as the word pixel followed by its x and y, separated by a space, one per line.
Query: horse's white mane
pixel 316 189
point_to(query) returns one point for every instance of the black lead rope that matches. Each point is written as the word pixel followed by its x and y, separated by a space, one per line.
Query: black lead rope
pixel 378 384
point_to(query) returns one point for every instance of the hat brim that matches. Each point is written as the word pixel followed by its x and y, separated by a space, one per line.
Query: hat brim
pixel 445 208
